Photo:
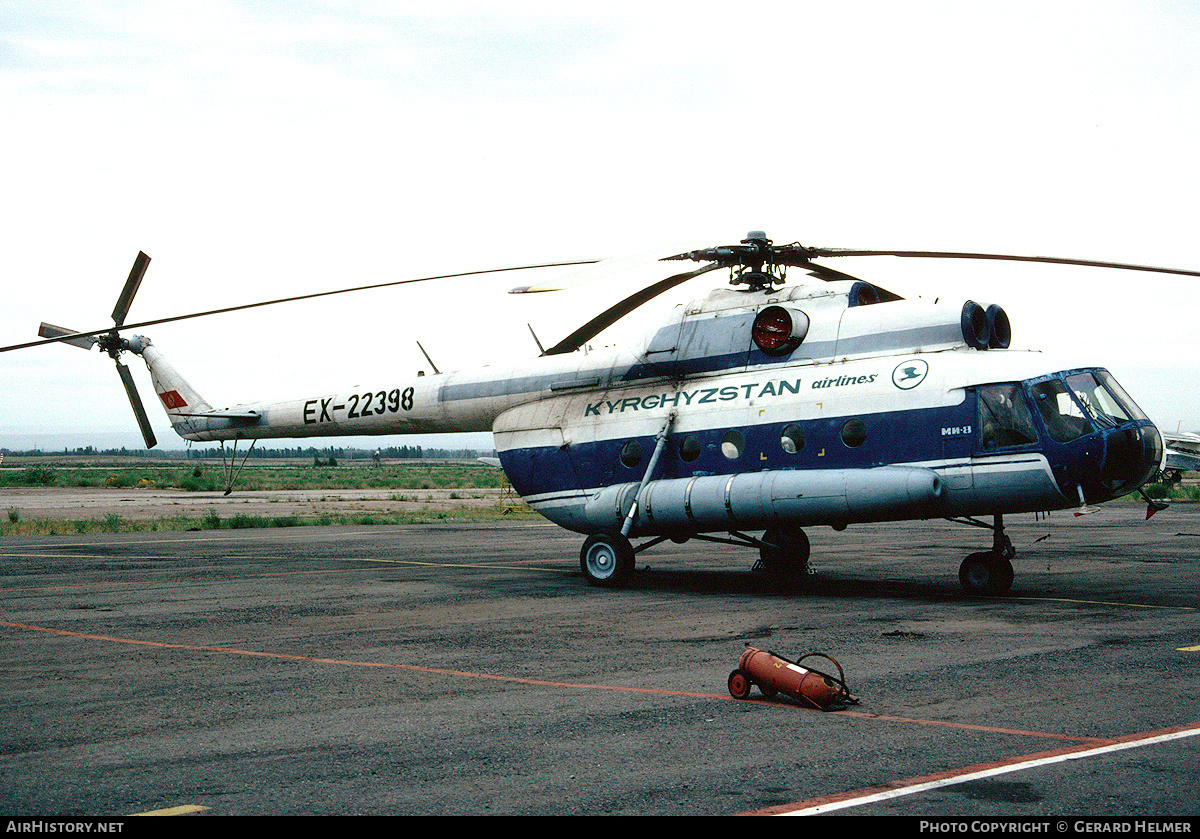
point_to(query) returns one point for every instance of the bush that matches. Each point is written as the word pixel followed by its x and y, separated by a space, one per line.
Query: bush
pixel 242 520
pixel 42 476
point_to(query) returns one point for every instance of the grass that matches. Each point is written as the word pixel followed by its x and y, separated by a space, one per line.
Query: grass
pixel 113 523
pixel 450 474
pixel 403 478
pixel 1172 492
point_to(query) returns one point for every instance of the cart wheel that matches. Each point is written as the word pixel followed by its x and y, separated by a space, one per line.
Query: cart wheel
pixel 739 684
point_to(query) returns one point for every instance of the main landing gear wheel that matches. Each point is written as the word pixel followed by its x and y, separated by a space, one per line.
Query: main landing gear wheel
pixel 986 573
pixel 785 553
pixel 606 560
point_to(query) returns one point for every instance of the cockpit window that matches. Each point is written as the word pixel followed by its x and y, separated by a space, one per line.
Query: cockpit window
pixel 1004 418
pixel 1063 418
pixel 1099 403
pixel 1120 395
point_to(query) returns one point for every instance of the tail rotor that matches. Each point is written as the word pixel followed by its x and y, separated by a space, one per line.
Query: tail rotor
pixel 112 343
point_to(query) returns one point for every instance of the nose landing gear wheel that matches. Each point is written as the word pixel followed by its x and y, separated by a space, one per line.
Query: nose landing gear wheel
pixel 986 573
pixel 606 560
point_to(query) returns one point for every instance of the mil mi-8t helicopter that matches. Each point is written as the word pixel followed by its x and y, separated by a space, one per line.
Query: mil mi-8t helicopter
pixel 761 407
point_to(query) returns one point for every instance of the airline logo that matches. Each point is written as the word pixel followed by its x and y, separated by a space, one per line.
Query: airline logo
pixel 909 374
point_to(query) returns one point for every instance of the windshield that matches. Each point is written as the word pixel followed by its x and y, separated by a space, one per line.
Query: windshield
pixel 1120 395
pixel 1097 401
pixel 1062 415
pixel 1086 401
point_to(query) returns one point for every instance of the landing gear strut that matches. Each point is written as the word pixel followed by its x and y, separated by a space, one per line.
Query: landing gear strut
pixel 989 572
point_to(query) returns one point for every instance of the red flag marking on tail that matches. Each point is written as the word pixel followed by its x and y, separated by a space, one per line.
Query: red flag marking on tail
pixel 172 399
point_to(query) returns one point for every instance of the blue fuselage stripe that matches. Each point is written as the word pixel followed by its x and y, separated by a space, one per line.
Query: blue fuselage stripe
pixel 917 434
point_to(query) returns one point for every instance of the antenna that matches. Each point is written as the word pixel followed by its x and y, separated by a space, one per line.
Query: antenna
pixel 427 358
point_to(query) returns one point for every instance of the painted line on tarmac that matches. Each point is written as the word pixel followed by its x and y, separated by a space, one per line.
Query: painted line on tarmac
pixel 968 727
pixel 569 569
pixel 911 786
pixel 1097 602
pixel 527 681
pixel 214 578
pixel 217 577
pixel 298 532
pixel 345 662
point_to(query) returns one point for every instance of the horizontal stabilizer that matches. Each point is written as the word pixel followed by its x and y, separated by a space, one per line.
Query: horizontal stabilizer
pixel 250 415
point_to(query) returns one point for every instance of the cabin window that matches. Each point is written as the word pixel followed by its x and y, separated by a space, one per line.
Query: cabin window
pixel 732 445
pixel 1062 415
pixel 854 433
pixel 631 453
pixel 792 438
pixel 689 448
pixel 1004 418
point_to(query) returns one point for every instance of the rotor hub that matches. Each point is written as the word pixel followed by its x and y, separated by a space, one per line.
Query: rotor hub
pixel 755 261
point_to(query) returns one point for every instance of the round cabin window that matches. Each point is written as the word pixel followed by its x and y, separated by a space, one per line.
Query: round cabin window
pixel 854 433
pixel 689 448
pixel 733 444
pixel 792 438
pixel 631 453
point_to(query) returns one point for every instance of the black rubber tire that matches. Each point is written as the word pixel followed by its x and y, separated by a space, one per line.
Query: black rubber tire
pixel 606 560
pixel 985 574
pixel 788 556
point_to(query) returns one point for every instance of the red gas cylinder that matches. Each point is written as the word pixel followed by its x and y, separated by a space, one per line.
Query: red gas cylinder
pixel 775 674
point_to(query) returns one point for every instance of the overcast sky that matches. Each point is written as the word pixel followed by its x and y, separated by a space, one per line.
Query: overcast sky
pixel 259 149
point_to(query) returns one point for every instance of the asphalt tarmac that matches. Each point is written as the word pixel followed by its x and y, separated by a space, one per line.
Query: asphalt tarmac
pixel 469 670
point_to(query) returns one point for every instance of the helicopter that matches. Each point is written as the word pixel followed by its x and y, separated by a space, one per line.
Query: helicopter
pixel 748 415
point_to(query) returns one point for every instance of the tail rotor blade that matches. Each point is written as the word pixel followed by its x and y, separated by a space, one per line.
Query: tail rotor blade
pixel 135 401
pixel 131 287
pixel 49 330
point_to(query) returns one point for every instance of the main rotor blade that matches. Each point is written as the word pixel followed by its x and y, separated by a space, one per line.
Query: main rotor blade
pixel 227 309
pixel 67 336
pixel 139 410
pixel 613 314
pixel 1091 263
pixel 136 273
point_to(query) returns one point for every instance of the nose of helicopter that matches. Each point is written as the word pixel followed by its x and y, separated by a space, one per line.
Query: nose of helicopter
pixel 1132 455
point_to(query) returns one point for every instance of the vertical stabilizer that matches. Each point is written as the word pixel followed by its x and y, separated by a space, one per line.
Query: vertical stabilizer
pixel 179 399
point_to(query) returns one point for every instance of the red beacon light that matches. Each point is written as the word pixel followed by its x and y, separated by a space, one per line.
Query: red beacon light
pixel 778 331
